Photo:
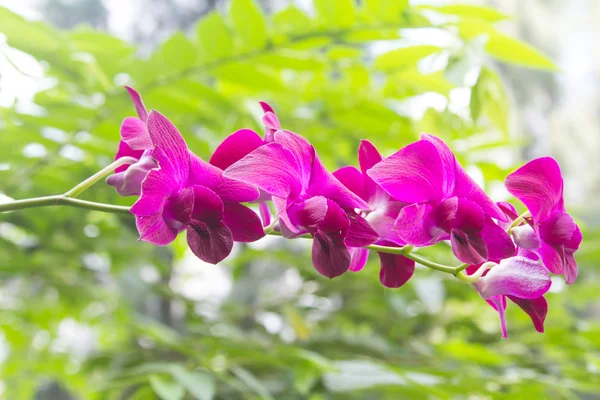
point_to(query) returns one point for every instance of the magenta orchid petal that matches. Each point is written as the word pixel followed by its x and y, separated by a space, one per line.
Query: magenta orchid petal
pixel 467 188
pixel 570 269
pixel 180 207
pixel 208 206
pixel 449 163
pixel 499 304
pixel 244 224
pixel 308 214
pixel 498 243
pixel 468 248
pixel 265 213
pixel 526 237
pixel 303 152
pixel 557 229
pixel 156 188
pixel 537 309
pixel 414 225
pixel 539 185
pixel 395 270
pixel 170 149
pixel 134 132
pixel 154 229
pixel 368 156
pixel 515 276
pixel 211 243
pixel 508 209
pixel 325 184
pixel 266 107
pixel 553 258
pixel 383 220
pixel 272 168
pixel 459 213
pixel 358 258
pixel 330 255
pixel 271 122
pixel 288 229
pixel 413 174
pixel 235 147
pixel 138 103
pixel 352 179
pixel 360 232
pixel 125 151
pixel 129 182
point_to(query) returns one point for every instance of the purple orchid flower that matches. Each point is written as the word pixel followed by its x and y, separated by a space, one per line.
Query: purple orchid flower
pixel 244 141
pixel 445 203
pixel 187 193
pixel 308 199
pixel 135 143
pixel 550 232
pixel 395 270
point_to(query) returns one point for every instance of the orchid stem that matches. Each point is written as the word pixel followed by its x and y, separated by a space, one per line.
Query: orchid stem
pixel 103 173
pixel 271 227
pixel 61 200
pixel 475 277
pixel 517 222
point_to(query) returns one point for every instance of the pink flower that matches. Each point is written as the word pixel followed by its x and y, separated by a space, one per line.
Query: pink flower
pixel 445 203
pixel 308 199
pixel 187 193
pixel 550 232
pixel 383 210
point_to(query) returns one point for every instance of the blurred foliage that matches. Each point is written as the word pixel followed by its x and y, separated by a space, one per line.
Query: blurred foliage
pixel 87 311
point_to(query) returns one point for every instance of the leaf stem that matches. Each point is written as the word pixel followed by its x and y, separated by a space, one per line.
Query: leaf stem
pixel 103 173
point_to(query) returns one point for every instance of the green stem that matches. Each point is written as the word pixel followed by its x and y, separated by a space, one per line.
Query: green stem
pixel 269 229
pixel 61 200
pixel 475 277
pixel 103 173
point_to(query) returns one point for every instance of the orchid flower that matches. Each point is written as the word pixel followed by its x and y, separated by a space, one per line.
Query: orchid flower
pixel 187 193
pixel 135 143
pixel 445 203
pixel 308 199
pixel 244 141
pixel 395 270
pixel 550 232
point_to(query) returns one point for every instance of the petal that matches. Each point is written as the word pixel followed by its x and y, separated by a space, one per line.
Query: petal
pixel 125 151
pixel 557 229
pixel 516 276
pixel 508 209
pixel 208 206
pixel 459 213
pixel 383 218
pixel 575 240
pixel 265 213
pixel 330 255
pixel 129 182
pixel 156 188
pixel 170 150
pixel 468 189
pixel 449 163
pixel 244 224
pixel 468 248
pixel 497 241
pixel 499 304
pixel 134 132
pixel 539 185
pixel 570 269
pixel 535 308
pixel 210 242
pixel 323 183
pixel 352 179
pixel 414 225
pixel 154 229
pixel 358 258
pixel 395 270
pixel 335 219
pixel 412 175
pixel 181 207
pixel 368 156
pixel 235 147
pixel 553 258
pixel 270 120
pixel 309 213
pixel 360 231
pixel 287 228
pixel 526 237
pixel 302 150
pixel 272 168
pixel 138 103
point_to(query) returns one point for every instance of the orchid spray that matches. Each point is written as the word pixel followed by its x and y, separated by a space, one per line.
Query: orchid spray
pixel 417 197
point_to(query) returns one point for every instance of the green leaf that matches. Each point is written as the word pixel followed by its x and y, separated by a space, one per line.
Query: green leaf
pixel 384 10
pixel 404 56
pixel 214 37
pixel 489 96
pixel 506 48
pixel 251 382
pixel 359 374
pixel 338 13
pixel 249 23
pixel 291 20
pixel 176 54
pixel 34 38
pixel 166 389
pixel 199 384
pixel 470 11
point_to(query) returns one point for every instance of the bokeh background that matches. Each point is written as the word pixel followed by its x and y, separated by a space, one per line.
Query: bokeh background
pixel 88 312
